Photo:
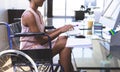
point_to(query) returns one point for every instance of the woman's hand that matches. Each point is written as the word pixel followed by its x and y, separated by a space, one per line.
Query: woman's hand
pixel 66 28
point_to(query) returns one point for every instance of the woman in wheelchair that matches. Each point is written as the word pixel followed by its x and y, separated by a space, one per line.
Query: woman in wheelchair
pixel 32 21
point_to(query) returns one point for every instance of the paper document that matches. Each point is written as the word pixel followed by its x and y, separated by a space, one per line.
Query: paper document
pixel 79 42
pixel 73 32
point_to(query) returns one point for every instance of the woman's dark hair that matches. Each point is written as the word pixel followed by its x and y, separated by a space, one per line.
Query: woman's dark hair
pixel 29 0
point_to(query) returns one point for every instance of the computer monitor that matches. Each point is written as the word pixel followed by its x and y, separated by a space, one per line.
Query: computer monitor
pixel 117 21
pixel 109 17
pixel 115 40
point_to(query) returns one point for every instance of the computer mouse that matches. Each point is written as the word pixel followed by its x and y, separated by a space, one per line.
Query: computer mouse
pixel 80 36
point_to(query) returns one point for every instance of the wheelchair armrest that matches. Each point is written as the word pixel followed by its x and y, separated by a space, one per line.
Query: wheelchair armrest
pixel 27 34
pixel 32 34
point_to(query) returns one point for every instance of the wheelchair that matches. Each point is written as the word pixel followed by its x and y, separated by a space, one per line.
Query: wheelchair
pixel 35 60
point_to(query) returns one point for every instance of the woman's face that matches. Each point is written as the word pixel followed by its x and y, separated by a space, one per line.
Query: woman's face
pixel 39 2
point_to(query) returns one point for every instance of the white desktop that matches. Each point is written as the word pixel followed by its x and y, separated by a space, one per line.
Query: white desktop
pixel 79 42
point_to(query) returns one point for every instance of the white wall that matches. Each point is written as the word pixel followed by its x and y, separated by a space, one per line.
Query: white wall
pixel 11 4
pixel 4 6
pixel 3 11
pixel 17 4
pixel 4 44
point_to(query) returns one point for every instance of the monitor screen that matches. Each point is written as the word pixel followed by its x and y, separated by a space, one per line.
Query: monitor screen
pixel 111 9
pixel 110 14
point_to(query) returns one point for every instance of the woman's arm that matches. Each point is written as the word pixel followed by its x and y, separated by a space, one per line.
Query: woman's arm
pixel 29 20
pixel 55 33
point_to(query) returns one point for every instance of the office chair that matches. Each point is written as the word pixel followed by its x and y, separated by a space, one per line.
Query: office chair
pixel 41 57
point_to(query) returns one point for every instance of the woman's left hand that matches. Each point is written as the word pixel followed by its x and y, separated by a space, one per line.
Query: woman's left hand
pixel 66 28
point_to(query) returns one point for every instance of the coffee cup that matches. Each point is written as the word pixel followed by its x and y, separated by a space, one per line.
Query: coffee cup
pixel 90 24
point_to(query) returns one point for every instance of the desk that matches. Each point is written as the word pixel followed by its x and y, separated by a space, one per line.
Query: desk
pixel 89 58
pixel 95 59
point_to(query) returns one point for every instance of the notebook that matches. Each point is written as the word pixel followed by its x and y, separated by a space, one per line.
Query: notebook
pixel 79 42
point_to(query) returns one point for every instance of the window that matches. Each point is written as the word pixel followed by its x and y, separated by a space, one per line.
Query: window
pixel 68 7
pixel 58 7
pixel 89 3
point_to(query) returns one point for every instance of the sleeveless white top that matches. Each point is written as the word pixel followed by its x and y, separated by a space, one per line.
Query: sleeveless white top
pixel 30 42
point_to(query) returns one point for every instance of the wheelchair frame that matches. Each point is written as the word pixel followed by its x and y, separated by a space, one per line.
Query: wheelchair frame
pixel 22 53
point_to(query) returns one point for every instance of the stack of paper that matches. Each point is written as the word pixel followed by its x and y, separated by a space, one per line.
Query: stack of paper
pixel 73 32
pixel 79 42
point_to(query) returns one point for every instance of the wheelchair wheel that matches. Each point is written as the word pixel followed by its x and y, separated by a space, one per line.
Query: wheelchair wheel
pixel 6 55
